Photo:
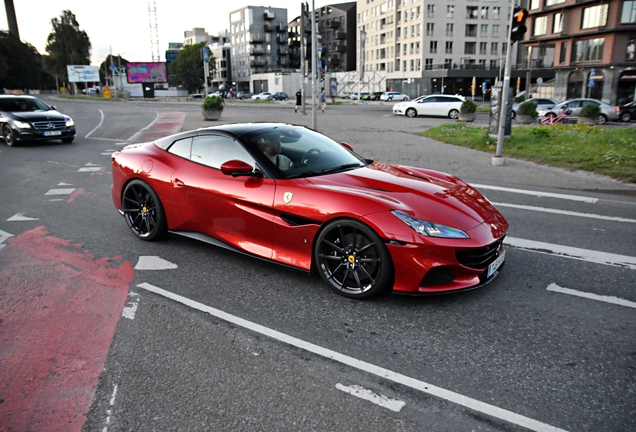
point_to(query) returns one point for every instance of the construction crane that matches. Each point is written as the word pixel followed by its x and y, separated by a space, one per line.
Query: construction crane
pixel 154 31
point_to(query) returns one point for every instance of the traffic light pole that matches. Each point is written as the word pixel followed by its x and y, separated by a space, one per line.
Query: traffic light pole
pixel 498 159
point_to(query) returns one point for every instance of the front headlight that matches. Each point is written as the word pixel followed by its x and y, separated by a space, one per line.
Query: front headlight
pixel 429 228
pixel 69 122
pixel 22 125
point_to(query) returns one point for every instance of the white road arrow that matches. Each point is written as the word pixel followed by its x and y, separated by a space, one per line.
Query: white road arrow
pixel 20 217
pixel 3 237
pixel 154 263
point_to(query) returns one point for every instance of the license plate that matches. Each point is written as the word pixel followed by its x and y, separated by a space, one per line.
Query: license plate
pixel 492 268
pixel 52 133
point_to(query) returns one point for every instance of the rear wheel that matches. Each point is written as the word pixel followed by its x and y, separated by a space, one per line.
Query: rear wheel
pixel 9 135
pixel 454 114
pixel 353 259
pixel 143 211
pixel 601 119
pixel 411 112
pixel 626 117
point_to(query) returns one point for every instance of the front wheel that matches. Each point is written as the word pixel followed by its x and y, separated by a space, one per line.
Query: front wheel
pixel 9 135
pixel 143 211
pixel 353 260
pixel 411 112
pixel 601 119
pixel 454 114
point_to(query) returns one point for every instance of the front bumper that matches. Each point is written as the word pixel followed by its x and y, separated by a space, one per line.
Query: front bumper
pixel 40 135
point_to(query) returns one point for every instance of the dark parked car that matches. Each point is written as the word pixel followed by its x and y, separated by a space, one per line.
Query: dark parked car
pixel 244 95
pixel 280 96
pixel 27 118
pixel 627 112
pixel 375 96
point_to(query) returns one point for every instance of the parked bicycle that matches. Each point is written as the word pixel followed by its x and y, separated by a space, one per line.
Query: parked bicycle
pixel 551 119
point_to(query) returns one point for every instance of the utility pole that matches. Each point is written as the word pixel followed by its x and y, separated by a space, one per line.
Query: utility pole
pixel 11 18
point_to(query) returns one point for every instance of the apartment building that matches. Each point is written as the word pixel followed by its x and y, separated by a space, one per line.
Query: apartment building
pixel 588 45
pixel 436 46
pixel 258 43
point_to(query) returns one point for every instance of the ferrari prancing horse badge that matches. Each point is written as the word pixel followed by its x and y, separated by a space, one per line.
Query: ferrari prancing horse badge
pixel 288 197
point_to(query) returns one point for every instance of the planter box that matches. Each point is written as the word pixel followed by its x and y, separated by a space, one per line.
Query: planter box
pixel 525 119
pixel 586 121
pixel 211 115
pixel 467 117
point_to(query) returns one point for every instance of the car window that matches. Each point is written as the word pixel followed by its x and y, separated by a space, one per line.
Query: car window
pixel 213 151
pixel 181 148
pixel 591 103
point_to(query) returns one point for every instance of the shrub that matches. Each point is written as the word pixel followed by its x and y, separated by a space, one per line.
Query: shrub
pixel 590 111
pixel 468 106
pixel 528 108
pixel 519 99
pixel 213 103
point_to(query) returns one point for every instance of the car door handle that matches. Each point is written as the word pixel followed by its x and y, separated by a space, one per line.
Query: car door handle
pixel 178 183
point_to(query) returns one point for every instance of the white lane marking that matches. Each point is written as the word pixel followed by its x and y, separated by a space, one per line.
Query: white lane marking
pixel 607 299
pixel 56 199
pixel 131 306
pixel 89 169
pixel 64 184
pixel 565 212
pixel 110 408
pixel 4 236
pixel 63 191
pixel 20 217
pixel 101 120
pixel 145 128
pixel 92 164
pixel 368 395
pixel 572 252
pixel 537 193
pixel 413 383
pixel 154 263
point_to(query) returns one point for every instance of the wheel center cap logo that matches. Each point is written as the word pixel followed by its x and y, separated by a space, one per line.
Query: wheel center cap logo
pixel 351 259
pixel 287 197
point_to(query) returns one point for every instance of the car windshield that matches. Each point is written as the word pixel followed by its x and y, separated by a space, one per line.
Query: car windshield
pixel 22 105
pixel 301 152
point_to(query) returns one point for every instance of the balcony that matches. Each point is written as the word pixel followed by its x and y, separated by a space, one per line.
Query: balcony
pixel 341 48
pixel 257 50
pixel 281 27
pixel 282 50
pixel 334 24
pixel 333 61
pixel 257 37
pixel 341 35
pixel 270 27
pixel 282 38
pixel 269 15
pixel 294 43
pixel 257 62
pixel 282 62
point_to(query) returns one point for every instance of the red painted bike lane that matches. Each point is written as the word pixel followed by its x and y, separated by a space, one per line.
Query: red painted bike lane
pixel 59 308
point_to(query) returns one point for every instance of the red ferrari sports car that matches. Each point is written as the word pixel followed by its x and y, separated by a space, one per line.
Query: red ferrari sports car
pixel 291 195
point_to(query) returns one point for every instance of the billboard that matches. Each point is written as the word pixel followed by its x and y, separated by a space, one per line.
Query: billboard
pixel 146 72
pixel 81 73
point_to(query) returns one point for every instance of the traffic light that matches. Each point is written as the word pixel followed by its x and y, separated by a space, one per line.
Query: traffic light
pixel 518 26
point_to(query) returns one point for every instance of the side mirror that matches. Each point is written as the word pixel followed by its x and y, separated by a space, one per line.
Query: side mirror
pixel 237 168
pixel 53 108
pixel 347 146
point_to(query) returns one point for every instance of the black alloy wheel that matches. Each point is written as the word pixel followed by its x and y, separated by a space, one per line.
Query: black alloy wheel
pixel 9 134
pixel 143 211
pixel 353 259
pixel 411 113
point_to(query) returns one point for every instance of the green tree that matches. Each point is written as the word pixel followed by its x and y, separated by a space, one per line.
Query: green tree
pixel 66 45
pixel 104 67
pixel 187 68
pixel 24 69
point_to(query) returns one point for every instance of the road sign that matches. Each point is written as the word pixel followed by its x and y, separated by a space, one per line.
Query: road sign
pixel 539 80
pixel 113 67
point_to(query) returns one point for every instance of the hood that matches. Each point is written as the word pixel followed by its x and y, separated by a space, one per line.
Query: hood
pixel 425 194
pixel 34 116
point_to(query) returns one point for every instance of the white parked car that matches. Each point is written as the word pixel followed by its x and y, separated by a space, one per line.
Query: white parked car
pixel 393 96
pixel 574 106
pixel 262 96
pixel 433 105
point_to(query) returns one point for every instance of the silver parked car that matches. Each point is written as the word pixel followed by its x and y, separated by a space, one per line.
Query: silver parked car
pixel 608 112
pixel 542 103
pixel 433 105
pixel 393 96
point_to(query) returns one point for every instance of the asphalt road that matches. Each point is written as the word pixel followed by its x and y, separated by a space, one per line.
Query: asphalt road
pixel 211 340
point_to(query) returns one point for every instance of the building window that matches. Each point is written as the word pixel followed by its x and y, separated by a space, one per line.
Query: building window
pixel 494 48
pixel 496 12
pixel 471 30
pixel 595 16
pixel 449 47
pixel 472 12
pixel 428 64
pixel 540 26
pixel 564 50
pixel 430 29
pixel 495 30
pixel 483 47
pixel 484 12
pixel 470 47
pixel 450 29
pixel 630 54
pixel 430 11
pixel 629 12
pixel 553 2
pixel 588 50
pixel 534 4
pixel 483 30
pixel 557 24
pixel 433 47
pixel 450 11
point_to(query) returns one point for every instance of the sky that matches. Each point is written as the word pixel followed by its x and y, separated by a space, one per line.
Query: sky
pixel 123 26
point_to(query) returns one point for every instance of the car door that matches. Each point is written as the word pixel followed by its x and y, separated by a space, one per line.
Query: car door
pixel 427 106
pixel 234 210
pixel 575 106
